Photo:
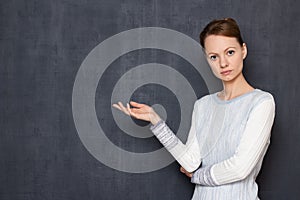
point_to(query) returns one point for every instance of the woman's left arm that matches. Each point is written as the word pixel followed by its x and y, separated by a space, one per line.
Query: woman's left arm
pixel 251 149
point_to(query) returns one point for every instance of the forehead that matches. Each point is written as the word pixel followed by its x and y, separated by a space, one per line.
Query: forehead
pixel 218 43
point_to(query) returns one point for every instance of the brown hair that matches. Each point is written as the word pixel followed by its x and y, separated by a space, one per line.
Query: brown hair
pixel 225 27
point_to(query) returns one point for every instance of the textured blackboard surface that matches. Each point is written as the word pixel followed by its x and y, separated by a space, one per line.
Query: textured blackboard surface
pixel 42 45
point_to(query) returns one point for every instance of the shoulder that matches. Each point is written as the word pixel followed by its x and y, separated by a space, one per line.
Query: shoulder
pixel 262 102
pixel 205 103
pixel 260 96
pixel 204 100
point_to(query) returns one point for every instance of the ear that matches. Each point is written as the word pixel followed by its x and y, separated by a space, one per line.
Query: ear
pixel 244 50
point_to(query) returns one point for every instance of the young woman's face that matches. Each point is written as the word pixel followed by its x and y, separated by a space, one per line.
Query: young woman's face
pixel 225 56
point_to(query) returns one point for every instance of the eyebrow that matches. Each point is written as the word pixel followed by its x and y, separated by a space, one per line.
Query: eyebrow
pixel 224 50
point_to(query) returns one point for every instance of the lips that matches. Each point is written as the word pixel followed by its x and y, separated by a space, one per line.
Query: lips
pixel 227 72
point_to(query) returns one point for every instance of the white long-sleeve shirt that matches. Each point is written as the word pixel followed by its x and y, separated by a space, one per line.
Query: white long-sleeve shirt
pixel 228 139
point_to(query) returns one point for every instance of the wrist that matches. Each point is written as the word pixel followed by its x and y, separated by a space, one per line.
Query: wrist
pixel 155 119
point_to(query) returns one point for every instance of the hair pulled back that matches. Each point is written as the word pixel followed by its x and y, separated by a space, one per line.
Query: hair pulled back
pixel 225 27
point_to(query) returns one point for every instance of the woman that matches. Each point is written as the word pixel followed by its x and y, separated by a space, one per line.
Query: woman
pixel 230 130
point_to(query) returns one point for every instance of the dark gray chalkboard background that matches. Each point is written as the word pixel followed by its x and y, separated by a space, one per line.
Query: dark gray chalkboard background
pixel 42 45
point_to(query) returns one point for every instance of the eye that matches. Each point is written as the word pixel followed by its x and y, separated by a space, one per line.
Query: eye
pixel 230 52
pixel 213 57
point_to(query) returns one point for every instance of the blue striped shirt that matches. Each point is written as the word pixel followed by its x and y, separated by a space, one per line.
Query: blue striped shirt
pixel 226 144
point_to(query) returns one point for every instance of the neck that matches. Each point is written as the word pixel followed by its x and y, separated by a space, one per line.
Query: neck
pixel 235 88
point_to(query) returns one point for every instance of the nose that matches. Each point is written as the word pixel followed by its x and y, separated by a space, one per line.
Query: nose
pixel 223 62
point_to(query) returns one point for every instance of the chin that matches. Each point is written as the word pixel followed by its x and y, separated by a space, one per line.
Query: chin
pixel 226 78
pixel 229 79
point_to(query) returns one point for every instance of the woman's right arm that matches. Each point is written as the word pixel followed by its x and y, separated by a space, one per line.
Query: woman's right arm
pixel 187 155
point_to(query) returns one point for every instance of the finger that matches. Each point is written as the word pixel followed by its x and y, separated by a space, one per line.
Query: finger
pixel 131 113
pixel 128 109
pixel 137 105
pixel 116 106
pixel 138 111
pixel 182 169
pixel 189 175
pixel 123 108
pixel 120 104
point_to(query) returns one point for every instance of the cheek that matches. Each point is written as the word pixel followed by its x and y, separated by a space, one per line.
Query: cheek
pixel 241 62
pixel 238 61
pixel 211 64
pixel 214 69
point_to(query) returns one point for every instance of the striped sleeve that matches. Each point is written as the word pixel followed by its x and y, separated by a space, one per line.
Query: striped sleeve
pixel 187 155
